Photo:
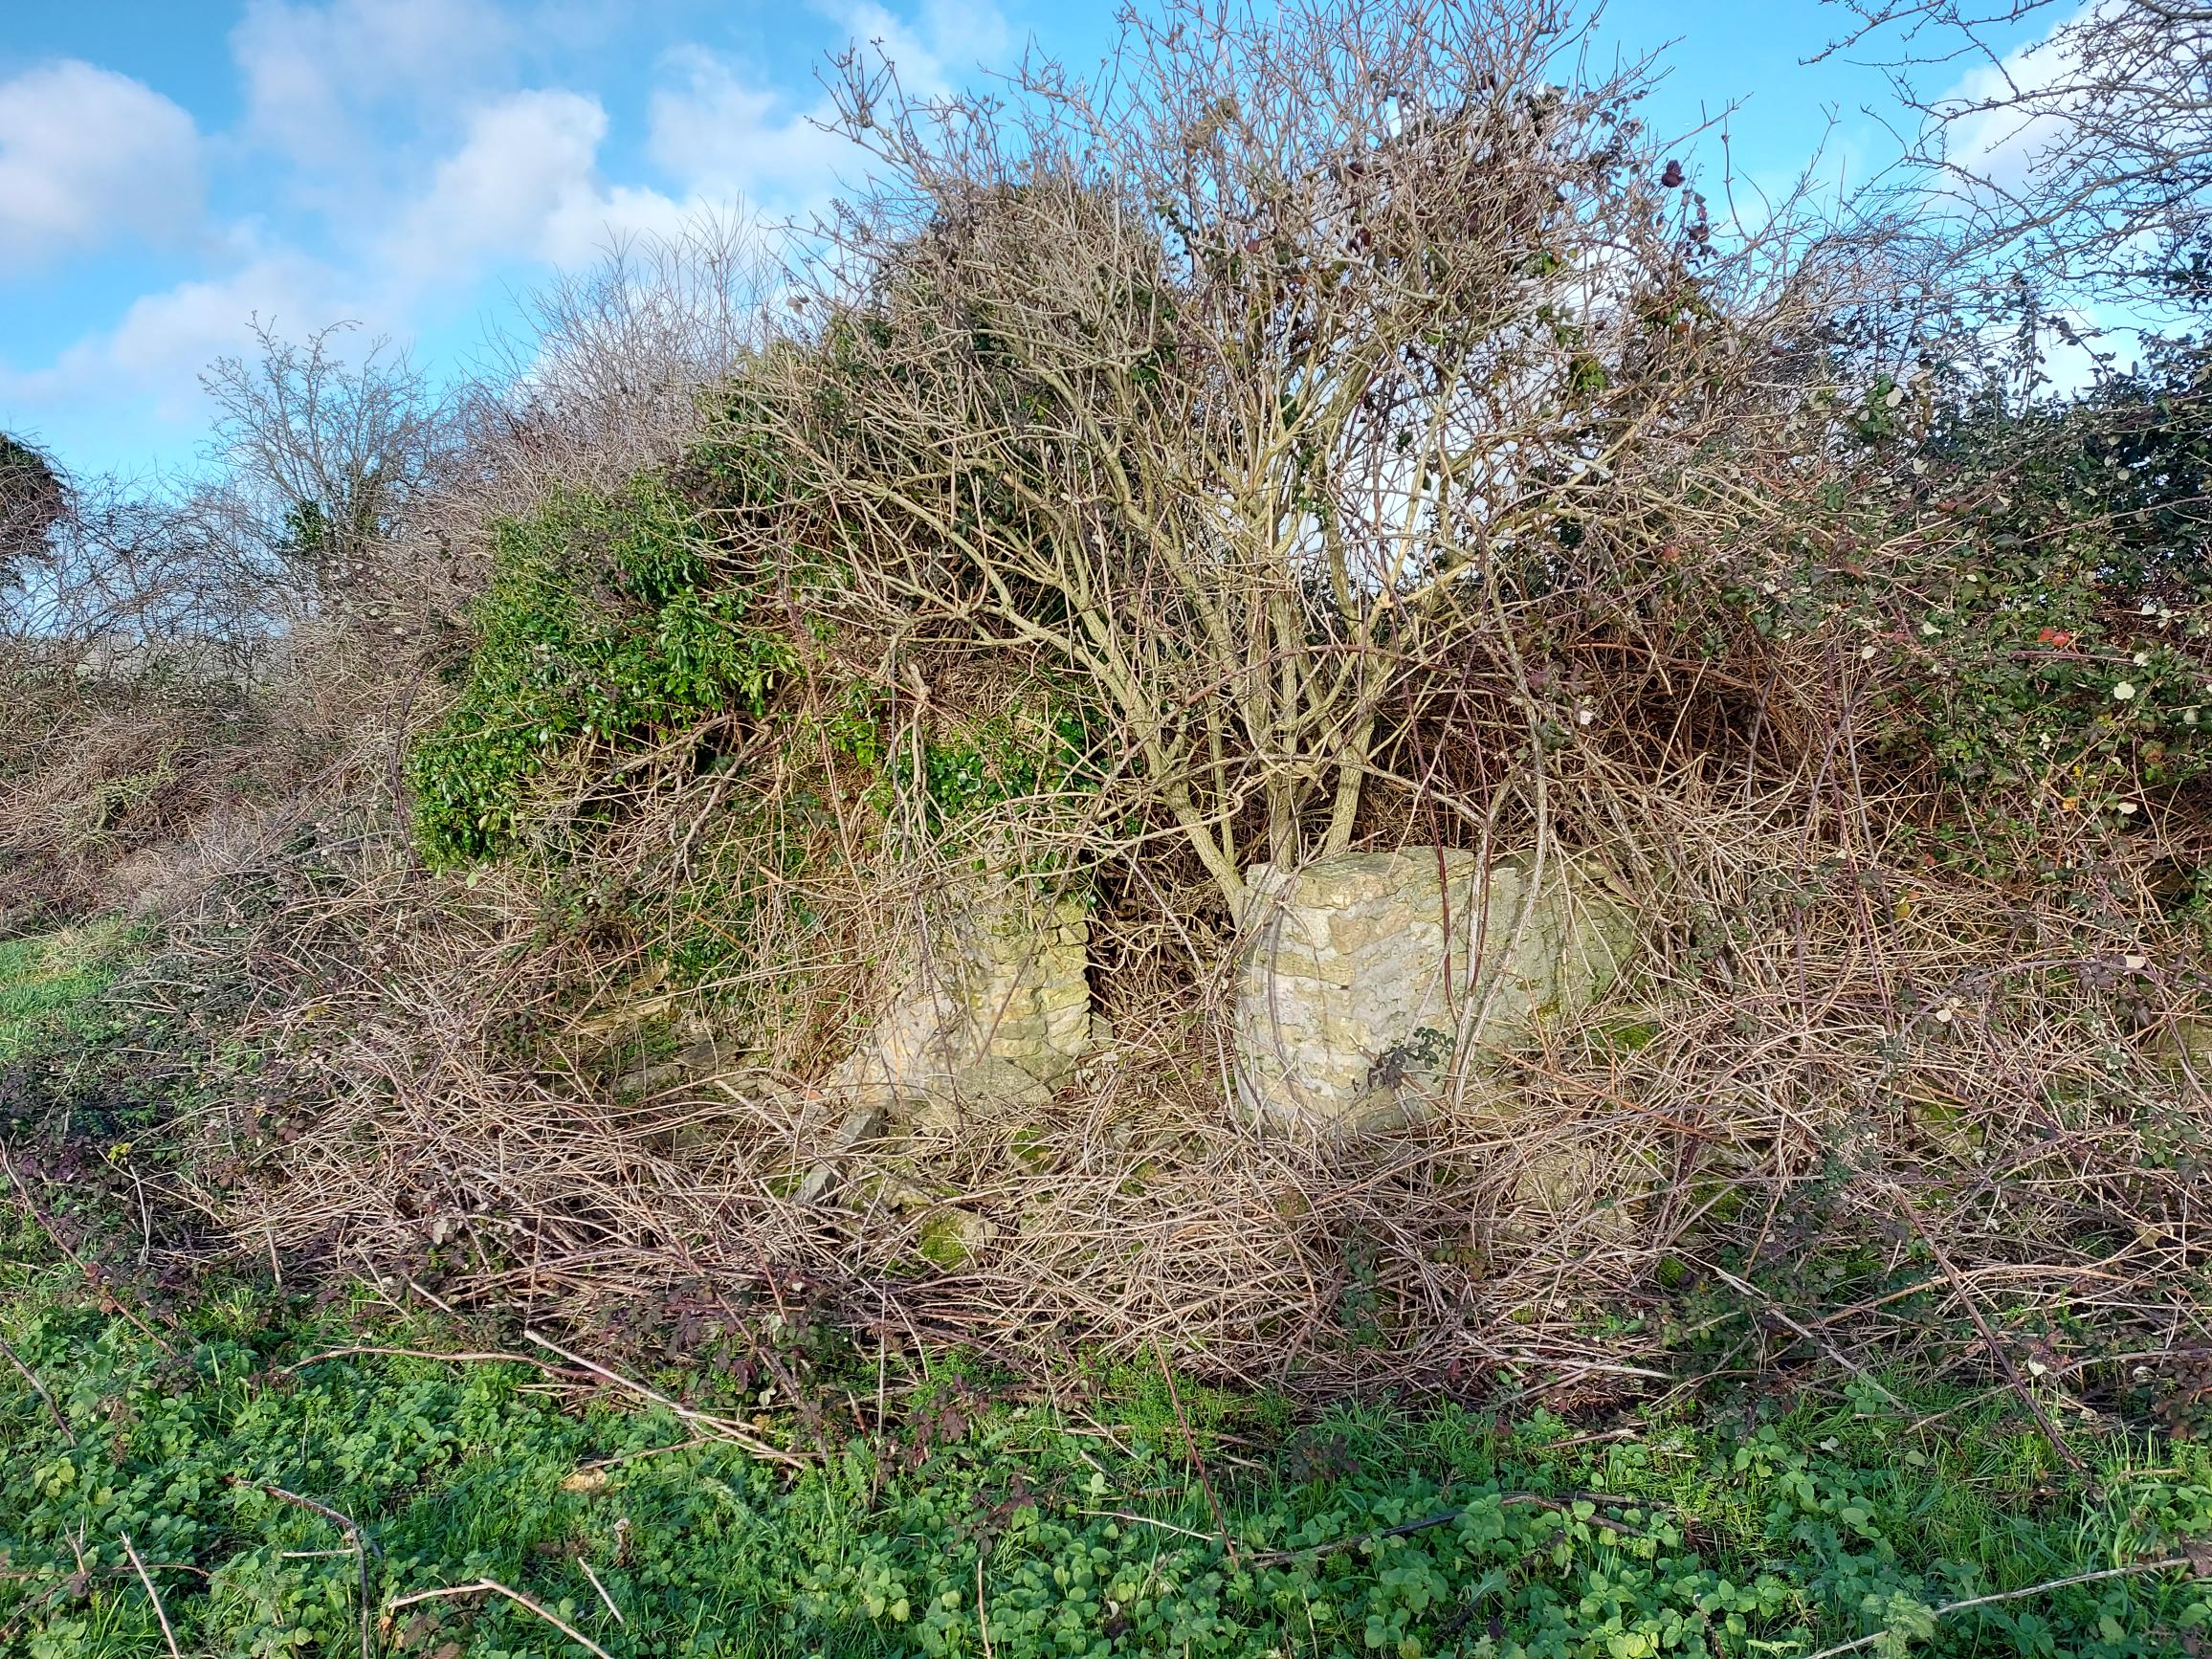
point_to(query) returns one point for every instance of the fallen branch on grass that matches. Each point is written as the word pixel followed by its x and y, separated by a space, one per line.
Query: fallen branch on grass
pixel 154 1596
pixel 494 1586
pixel 359 1541
pixel 1190 1447
pixel 39 1389
pixel 487 1357
pixel 599 1463
pixel 723 1425
pixel 1950 1607
pixel 602 1590
pixel 1146 1520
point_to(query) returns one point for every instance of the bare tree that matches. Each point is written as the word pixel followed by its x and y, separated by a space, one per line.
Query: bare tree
pixel 2086 154
pixel 1273 384
pixel 617 362
pixel 129 580
pixel 323 454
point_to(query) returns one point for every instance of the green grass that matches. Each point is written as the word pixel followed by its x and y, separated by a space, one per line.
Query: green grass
pixel 47 982
pixel 1750 1530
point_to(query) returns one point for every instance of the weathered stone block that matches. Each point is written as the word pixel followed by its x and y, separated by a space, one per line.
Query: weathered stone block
pixel 997 988
pixel 1357 971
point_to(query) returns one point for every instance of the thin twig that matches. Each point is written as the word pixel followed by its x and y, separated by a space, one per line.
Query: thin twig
pixel 1148 1522
pixel 479 1588
pixel 602 1590
pixel 45 1575
pixel 154 1596
pixel 1996 1351
pixel 490 1356
pixel 92 1275
pixel 1950 1607
pixel 1811 1336
pixel 337 1518
pixel 648 1452
pixel 1190 1445
pixel 31 1376
pixel 361 1541
pixel 744 1437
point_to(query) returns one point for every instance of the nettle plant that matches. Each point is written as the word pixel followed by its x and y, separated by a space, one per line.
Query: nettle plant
pixel 610 628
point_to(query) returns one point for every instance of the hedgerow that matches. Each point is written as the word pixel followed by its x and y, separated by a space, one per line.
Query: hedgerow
pixel 1229 465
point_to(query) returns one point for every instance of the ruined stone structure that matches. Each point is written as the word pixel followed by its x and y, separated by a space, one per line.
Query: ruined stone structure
pixel 995 1009
pixel 1359 977
pixel 1361 972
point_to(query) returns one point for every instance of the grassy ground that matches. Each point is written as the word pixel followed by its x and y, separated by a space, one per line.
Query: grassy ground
pixel 1756 1527
pixel 185 1469
pixel 50 980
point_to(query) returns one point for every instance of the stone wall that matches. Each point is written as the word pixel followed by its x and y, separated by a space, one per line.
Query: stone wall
pixel 994 1007
pixel 1354 981
pixel 1359 970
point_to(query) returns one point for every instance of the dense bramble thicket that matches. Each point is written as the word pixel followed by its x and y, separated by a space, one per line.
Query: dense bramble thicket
pixel 2049 567
pixel 1339 431
pixel 939 1496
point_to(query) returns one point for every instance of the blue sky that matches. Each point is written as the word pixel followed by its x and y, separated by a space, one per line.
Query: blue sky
pixel 171 167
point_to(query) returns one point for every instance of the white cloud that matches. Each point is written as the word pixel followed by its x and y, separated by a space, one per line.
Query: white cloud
pixel 163 340
pixel 941 48
pixel 725 134
pixel 520 164
pixel 524 185
pixel 396 163
pixel 310 70
pixel 153 356
pixel 2002 116
pixel 87 154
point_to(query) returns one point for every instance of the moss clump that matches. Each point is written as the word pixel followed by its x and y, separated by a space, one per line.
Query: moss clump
pixel 952 1238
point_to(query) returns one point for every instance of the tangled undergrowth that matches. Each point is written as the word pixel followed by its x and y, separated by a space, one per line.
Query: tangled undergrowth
pixel 1196 474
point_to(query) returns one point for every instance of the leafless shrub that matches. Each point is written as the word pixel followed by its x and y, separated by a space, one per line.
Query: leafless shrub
pixel 132 641
pixel 2084 158
pixel 323 458
pixel 1261 387
pixel 1831 1048
pixel 615 367
pixel 172 651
